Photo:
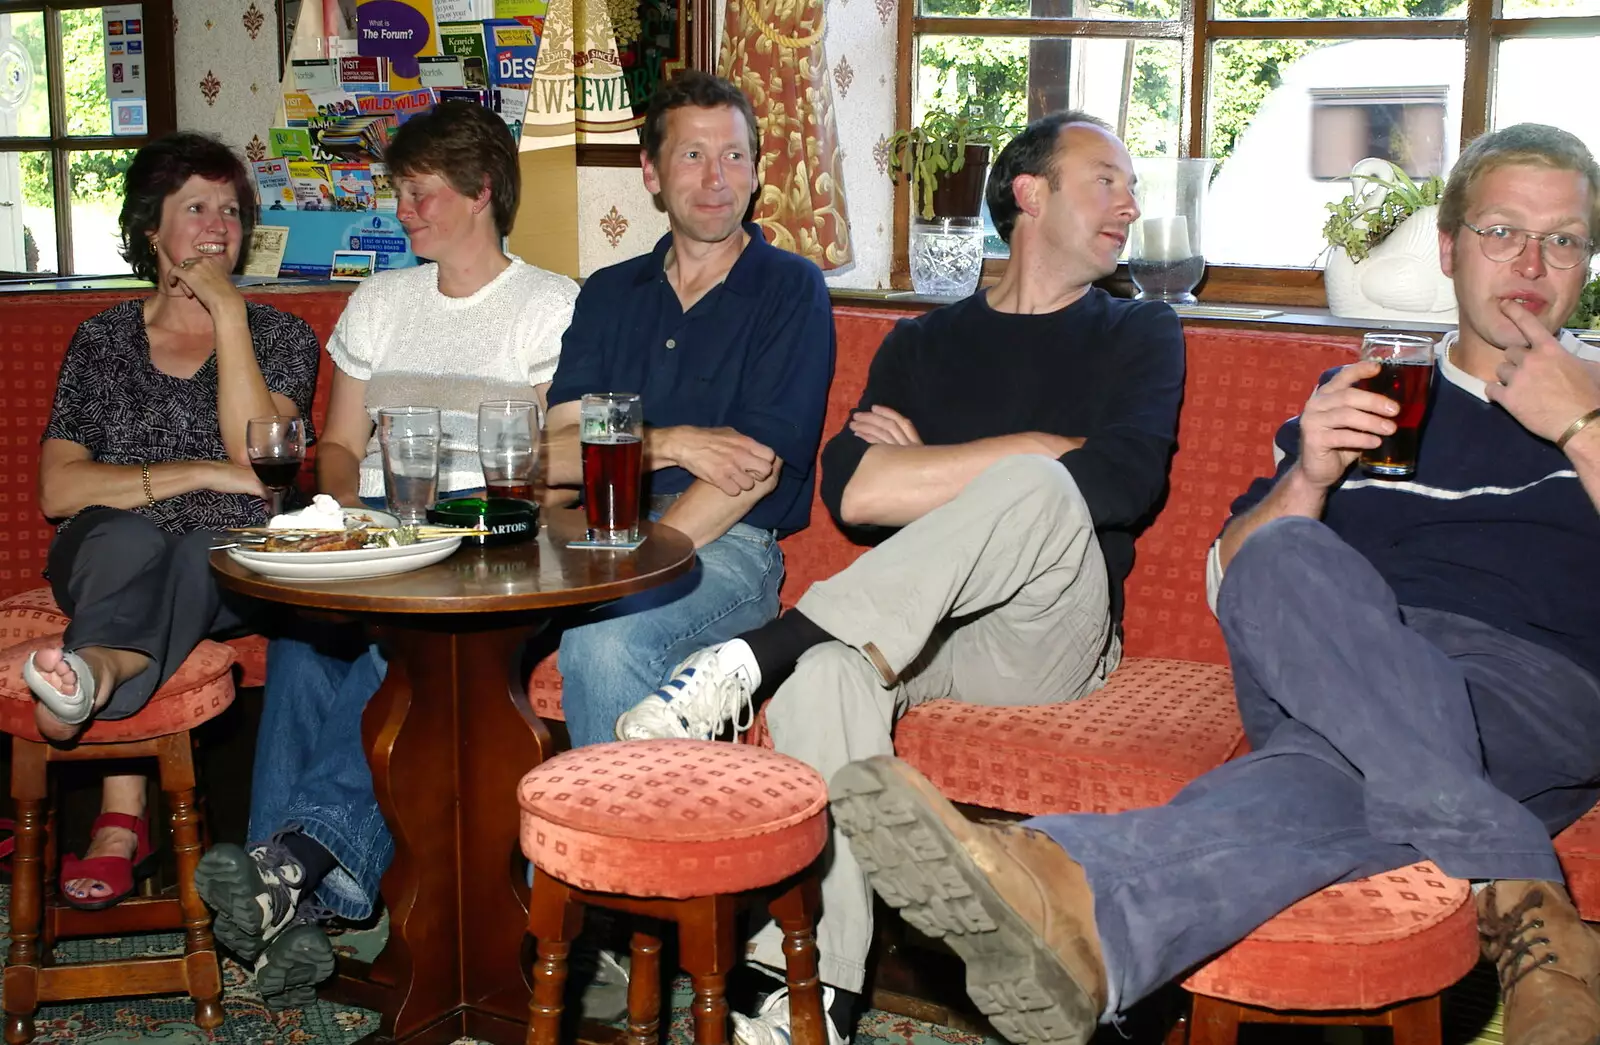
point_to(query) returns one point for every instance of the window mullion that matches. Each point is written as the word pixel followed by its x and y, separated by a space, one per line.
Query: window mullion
pixel 1196 58
pixel 1480 68
pixel 61 175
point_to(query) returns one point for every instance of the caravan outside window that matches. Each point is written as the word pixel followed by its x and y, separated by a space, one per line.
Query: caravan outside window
pixel 1405 128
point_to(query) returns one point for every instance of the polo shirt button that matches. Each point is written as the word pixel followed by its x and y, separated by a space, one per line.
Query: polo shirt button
pixel 672 342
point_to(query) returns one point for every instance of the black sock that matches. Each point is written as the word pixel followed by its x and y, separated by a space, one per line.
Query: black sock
pixel 779 643
pixel 843 1010
pixel 316 860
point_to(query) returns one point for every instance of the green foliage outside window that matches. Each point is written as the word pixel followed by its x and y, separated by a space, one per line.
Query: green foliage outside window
pixel 96 176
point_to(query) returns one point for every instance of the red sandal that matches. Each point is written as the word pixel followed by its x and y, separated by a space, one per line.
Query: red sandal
pixel 117 873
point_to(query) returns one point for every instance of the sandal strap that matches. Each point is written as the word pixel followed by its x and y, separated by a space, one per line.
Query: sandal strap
pixel 114 872
pixel 139 825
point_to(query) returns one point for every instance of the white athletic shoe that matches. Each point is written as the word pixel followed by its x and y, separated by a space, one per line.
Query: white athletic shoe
pixel 710 688
pixel 770 1024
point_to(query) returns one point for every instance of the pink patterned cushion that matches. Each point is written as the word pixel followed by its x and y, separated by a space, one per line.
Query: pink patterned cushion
pixel 673 818
pixel 29 614
pixel 1579 849
pixel 201 689
pixel 1155 726
pixel 1407 933
pixel 544 689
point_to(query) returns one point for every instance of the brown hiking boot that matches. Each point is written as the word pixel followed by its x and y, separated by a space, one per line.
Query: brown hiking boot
pixel 1548 961
pixel 1008 900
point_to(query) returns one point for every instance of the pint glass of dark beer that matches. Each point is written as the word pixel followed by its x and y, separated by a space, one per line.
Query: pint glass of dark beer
pixel 611 431
pixel 1406 376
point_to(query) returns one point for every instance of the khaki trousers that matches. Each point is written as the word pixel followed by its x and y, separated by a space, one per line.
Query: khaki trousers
pixel 997 597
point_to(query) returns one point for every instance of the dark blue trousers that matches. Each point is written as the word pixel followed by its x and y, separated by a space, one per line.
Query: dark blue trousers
pixel 1382 735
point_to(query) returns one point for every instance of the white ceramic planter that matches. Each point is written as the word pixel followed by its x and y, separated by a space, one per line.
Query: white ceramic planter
pixel 1399 279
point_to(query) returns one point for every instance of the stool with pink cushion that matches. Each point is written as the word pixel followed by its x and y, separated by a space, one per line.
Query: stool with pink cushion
pixel 1374 952
pixel 681 831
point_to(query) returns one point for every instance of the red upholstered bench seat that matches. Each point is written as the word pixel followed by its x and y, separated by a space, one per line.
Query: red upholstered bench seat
pixel 1579 850
pixel 1155 726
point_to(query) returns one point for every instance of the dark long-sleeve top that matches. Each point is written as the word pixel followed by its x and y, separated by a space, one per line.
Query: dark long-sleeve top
pixel 1104 369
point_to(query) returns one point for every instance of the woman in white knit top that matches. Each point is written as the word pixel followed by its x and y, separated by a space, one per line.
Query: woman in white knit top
pixel 474 324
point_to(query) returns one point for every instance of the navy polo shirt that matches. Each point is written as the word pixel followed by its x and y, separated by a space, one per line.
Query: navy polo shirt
pixel 755 354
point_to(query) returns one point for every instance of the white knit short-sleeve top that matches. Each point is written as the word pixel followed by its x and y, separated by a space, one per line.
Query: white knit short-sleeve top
pixel 414 346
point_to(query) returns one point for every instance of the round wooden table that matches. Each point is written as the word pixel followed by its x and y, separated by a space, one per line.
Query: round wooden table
pixel 448 736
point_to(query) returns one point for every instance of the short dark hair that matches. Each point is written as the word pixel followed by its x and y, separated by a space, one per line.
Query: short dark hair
pixel 163 167
pixel 703 91
pixel 1531 144
pixel 466 145
pixel 1031 152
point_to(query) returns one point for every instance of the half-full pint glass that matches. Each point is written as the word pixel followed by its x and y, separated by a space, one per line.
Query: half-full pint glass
pixel 611 431
pixel 1406 377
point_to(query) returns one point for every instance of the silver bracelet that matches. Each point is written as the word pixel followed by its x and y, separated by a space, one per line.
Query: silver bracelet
pixel 1575 427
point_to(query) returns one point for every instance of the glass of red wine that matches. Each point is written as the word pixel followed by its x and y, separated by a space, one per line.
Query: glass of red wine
pixel 276 445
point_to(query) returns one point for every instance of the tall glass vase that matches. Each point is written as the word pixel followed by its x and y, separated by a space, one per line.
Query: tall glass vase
pixel 1165 257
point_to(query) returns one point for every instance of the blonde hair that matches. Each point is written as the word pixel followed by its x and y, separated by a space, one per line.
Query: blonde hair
pixel 1532 144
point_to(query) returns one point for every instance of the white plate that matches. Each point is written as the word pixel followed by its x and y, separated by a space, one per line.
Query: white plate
pixel 346 565
pixel 370 516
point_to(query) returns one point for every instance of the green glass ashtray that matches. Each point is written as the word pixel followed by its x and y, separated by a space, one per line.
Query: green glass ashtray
pixel 494 520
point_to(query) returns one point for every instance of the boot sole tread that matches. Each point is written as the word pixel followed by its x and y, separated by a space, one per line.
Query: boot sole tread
pixel 922 870
pixel 300 958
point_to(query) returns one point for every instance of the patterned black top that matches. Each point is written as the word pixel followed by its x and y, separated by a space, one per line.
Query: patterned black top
pixel 111 400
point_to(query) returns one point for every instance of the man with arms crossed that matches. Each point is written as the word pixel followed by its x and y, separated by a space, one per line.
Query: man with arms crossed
pixel 1008 446
pixel 730 343
pixel 1416 666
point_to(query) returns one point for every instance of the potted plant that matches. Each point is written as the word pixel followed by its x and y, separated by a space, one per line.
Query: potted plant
pixel 1384 248
pixel 946 158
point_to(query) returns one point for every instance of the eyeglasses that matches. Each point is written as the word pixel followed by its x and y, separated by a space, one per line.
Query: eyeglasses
pixel 1561 250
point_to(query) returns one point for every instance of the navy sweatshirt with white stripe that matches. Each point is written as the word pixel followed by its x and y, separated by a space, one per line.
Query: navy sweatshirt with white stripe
pixel 1494 525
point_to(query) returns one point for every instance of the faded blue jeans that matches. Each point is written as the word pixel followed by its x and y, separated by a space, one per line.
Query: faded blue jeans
pixel 1381 734
pixel 614 656
pixel 311 770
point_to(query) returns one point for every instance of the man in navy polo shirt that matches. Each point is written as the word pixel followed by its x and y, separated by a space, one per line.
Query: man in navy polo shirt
pixel 1417 665
pixel 730 343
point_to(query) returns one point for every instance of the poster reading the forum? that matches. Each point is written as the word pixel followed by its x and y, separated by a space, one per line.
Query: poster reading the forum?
pixel 401 31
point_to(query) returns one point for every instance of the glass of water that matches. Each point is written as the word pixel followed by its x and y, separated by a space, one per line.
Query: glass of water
pixel 410 436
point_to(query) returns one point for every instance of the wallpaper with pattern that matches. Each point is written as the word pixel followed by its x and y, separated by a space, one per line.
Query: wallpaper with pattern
pixel 227 76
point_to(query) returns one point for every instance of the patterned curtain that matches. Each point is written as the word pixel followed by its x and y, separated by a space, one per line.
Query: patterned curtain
pixel 773 50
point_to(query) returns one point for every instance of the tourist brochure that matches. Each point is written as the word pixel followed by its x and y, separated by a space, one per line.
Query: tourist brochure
pixel 313 189
pixel 273 188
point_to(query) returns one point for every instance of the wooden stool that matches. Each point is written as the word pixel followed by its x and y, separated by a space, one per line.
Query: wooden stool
pixel 201 689
pixel 681 831
pixel 1373 952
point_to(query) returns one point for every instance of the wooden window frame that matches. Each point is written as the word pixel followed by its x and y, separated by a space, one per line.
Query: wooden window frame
pixel 1482 28
pixel 160 106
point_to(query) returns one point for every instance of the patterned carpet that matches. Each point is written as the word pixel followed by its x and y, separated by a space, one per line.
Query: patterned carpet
pixel 1471 1017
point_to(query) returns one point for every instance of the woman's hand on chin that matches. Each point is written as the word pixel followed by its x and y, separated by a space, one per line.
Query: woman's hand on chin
pixel 202 278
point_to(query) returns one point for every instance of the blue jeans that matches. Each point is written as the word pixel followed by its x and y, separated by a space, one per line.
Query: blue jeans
pixel 1381 734
pixel 617 654
pixel 311 770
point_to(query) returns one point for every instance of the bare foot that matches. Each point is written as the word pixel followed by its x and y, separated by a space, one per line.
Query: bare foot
pixel 109 667
pixel 108 841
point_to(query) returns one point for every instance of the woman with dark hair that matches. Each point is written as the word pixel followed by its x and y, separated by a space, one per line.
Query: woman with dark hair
pixel 473 324
pixel 144 455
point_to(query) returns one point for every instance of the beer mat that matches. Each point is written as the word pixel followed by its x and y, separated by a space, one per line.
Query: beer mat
pixel 602 546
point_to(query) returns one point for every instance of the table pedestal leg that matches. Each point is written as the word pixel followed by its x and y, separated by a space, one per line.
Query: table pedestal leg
pixel 448 737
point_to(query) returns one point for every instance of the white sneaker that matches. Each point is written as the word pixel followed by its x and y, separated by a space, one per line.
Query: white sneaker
pixel 770 1024
pixel 710 688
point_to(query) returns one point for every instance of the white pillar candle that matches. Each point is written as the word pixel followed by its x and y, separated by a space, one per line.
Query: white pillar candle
pixel 1166 239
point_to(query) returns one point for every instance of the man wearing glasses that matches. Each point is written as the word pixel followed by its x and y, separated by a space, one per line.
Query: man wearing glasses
pixel 1417 666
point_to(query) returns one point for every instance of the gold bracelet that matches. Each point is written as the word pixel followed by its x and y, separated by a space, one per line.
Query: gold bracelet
pixel 144 476
pixel 1575 427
